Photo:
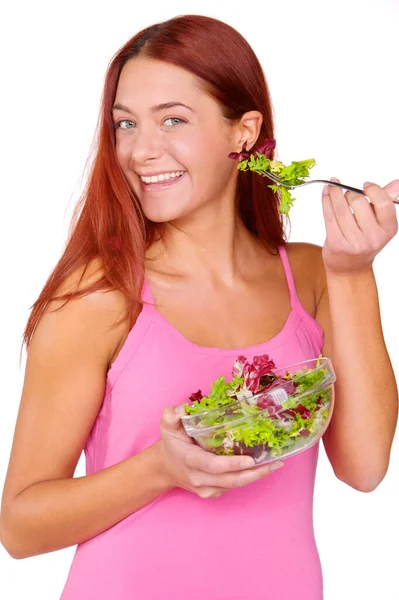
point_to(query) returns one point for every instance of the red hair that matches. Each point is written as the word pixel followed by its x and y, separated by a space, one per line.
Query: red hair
pixel 108 223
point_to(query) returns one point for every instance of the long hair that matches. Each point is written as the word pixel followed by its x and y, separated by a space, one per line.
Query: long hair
pixel 108 223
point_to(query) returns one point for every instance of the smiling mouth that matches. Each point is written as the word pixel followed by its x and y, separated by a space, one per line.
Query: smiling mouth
pixel 161 176
pixel 161 184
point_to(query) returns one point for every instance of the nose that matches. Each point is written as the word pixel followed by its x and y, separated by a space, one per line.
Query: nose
pixel 146 146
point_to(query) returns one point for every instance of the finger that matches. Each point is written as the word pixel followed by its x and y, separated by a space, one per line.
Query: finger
pixel 383 206
pixel 171 418
pixel 171 424
pixel 248 476
pixel 333 229
pixel 206 462
pixel 343 214
pixel 392 189
pixel 210 492
pixel 363 212
pixel 233 480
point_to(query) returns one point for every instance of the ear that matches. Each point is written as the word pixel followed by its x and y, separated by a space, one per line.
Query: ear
pixel 248 129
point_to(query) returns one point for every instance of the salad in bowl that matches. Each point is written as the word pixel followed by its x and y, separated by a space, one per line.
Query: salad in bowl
pixel 263 412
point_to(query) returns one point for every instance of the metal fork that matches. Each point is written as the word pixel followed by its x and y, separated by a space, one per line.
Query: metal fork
pixel 276 180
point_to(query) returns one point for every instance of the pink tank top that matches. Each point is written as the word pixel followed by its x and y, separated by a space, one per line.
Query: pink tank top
pixel 254 542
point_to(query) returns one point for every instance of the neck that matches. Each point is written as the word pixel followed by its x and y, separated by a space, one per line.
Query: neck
pixel 213 243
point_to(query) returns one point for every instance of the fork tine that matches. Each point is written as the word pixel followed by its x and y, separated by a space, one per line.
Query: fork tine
pixel 272 177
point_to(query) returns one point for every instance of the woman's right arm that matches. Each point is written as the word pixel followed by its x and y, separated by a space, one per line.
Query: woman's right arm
pixel 44 508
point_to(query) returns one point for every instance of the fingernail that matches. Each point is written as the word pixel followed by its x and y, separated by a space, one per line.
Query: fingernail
pixel 326 190
pixel 247 463
pixel 335 179
pixel 367 183
pixel 276 465
pixel 180 410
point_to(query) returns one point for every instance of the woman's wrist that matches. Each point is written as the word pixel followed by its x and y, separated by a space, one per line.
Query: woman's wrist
pixel 162 480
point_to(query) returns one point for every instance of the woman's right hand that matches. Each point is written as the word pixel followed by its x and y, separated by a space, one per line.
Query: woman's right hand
pixel 191 468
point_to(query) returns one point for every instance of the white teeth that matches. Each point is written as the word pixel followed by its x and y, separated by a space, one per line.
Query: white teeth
pixel 161 177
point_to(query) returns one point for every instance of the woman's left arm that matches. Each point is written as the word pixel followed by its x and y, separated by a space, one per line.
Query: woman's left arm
pixel 359 438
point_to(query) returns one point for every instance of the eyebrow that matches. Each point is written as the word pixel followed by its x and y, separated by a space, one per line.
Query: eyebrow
pixel 154 109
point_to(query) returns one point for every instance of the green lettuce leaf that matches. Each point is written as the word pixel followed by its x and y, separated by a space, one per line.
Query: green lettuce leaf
pixel 292 174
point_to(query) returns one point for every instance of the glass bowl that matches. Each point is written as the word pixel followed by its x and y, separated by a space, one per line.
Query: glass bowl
pixel 277 422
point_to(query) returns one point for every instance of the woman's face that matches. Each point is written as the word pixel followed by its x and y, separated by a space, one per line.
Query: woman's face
pixel 183 149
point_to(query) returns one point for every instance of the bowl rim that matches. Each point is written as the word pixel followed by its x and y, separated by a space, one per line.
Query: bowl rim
pixel 199 431
pixel 328 381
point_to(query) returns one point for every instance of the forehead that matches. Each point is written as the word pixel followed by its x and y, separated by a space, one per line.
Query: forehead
pixel 150 81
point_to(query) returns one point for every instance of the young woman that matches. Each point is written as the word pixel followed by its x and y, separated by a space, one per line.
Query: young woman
pixel 176 264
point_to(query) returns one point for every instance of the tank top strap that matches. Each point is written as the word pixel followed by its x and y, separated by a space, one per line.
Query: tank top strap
pixel 294 300
pixel 134 337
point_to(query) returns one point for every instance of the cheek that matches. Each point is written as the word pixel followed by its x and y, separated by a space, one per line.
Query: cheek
pixel 123 152
pixel 200 154
pixel 184 150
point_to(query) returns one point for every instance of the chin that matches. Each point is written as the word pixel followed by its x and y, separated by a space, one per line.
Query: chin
pixel 162 216
pixel 158 213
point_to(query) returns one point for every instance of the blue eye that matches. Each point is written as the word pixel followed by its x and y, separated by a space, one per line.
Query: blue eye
pixel 175 121
pixel 119 125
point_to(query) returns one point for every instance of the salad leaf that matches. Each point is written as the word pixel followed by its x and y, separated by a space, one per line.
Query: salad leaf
pixel 247 381
pixel 309 379
pixel 296 171
pixel 260 161
pixel 265 148
pixel 254 424
pixel 219 396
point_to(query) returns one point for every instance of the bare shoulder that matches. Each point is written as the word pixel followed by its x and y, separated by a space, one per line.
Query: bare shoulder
pixel 307 265
pixel 304 252
pixel 85 276
pixel 95 314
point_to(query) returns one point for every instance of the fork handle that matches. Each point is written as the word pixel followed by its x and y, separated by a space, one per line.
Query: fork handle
pixel 345 187
pixel 340 185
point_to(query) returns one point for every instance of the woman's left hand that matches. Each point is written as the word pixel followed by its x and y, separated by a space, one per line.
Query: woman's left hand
pixel 354 239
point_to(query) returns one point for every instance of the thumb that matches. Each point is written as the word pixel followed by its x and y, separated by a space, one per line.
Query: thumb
pixel 171 417
pixel 392 189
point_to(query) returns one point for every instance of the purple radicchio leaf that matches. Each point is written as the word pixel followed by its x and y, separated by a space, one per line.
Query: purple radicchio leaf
pixel 264 364
pixel 196 396
pixel 288 385
pixel 238 366
pixel 251 378
pixel 244 154
pixel 303 411
pixel 266 148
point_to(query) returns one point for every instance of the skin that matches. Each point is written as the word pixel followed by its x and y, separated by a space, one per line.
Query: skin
pixel 206 257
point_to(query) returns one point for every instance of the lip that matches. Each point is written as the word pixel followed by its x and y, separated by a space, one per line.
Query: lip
pixel 160 185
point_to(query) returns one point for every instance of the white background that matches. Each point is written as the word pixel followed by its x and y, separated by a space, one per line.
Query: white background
pixel 332 68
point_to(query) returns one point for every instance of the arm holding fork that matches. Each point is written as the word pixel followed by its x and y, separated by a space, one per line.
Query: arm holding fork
pixel 359 438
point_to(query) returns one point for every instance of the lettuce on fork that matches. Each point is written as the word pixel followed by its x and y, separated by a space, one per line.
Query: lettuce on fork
pixel 292 174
